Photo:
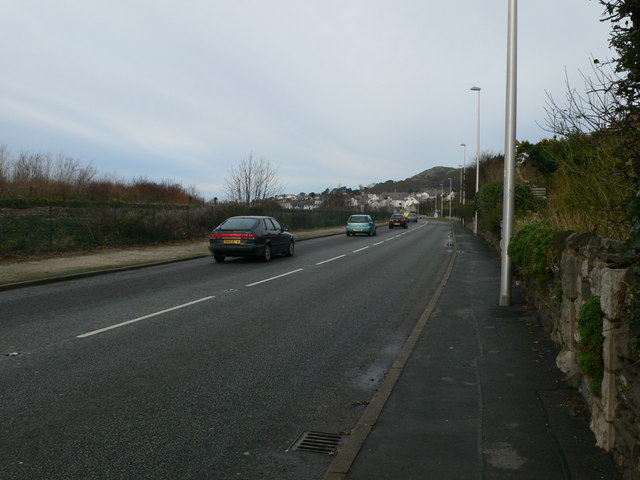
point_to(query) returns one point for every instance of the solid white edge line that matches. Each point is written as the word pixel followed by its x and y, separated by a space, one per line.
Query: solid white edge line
pixel 273 278
pixel 95 332
pixel 360 249
pixel 332 259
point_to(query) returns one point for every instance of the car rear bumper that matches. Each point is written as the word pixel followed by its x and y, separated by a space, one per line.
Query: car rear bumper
pixel 357 230
pixel 237 250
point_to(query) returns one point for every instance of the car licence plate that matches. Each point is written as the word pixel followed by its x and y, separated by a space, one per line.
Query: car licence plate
pixel 232 242
pixel 357 229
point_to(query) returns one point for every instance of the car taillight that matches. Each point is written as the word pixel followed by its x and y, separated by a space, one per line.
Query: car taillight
pixel 242 236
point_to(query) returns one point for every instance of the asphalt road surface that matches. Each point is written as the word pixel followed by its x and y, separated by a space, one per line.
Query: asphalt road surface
pixel 204 370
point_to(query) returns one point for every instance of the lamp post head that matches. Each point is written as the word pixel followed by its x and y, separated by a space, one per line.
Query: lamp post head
pixel 463 144
pixel 475 89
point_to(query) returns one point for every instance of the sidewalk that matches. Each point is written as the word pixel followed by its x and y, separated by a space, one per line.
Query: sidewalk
pixel 478 397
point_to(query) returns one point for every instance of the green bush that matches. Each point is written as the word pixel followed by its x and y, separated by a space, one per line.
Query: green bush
pixel 489 205
pixel 591 343
pixel 530 250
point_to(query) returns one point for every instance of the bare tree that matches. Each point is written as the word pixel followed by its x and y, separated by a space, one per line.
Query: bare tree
pixel 5 170
pixel 252 181
pixel 598 108
pixel 71 177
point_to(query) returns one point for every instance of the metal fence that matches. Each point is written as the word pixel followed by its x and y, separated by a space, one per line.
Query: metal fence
pixel 59 228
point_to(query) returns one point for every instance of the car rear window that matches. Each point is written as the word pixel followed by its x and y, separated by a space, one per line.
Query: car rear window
pixel 358 219
pixel 239 224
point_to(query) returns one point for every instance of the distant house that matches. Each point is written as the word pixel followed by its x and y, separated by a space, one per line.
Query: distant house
pixel 402 202
pixel 397 201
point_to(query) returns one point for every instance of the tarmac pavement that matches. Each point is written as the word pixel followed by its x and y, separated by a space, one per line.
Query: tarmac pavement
pixel 475 395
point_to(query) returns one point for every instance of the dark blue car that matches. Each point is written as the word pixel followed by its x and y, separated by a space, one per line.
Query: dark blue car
pixel 250 236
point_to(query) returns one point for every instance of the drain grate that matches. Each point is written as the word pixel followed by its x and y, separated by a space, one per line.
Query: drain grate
pixel 318 442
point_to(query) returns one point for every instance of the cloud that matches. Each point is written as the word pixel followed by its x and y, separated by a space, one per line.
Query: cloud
pixel 332 91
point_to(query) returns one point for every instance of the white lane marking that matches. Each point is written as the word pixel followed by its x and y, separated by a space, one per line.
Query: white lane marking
pixel 360 249
pixel 332 259
pixel 95 332
pixel 379 243
pixel 273 278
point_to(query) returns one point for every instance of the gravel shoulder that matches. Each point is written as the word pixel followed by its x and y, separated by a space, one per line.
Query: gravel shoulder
pixel 18 271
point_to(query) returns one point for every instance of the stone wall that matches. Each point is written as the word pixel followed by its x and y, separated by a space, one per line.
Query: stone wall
pixel 589 266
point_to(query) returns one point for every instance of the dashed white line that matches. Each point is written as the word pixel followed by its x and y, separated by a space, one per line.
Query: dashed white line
pixel 101 330
pixel 273 278
pixel 332 259
pixel 360 249
pixel 379 243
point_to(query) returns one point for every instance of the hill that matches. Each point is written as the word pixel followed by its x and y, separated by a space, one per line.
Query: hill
pixel 423 181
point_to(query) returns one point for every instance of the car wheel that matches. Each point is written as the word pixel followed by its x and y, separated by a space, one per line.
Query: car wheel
pixel 348 234
pixel 405 226
pixel 218 258
pixel 390 226
pixel 290 250
pixel 369 233
pixel 375 232
pixel 266 254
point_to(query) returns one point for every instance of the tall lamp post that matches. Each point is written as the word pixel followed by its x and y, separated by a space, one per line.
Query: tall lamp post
pixel 462 189
pixel 462 172
pixel 442 200
pixel 508 199
pixel 475 225
pixel 450 199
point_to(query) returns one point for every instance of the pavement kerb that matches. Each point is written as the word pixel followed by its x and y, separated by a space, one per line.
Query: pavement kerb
pixel 341 465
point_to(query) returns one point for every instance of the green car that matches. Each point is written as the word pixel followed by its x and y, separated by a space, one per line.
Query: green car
pixel 360 224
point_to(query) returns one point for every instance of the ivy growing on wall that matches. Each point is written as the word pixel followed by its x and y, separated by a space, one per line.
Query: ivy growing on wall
pixel 632 315
pixel 591 343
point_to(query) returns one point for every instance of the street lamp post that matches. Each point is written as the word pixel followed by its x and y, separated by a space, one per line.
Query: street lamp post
pixel 442 200
pixel 462 176
pixel 450 197
pixel 508 199
pixel 475 225
pixel 462 179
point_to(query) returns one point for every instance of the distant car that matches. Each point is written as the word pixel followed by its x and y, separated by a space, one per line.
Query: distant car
pixel 397 220
pixel 360 224
pixel 412 217
pixel 250 236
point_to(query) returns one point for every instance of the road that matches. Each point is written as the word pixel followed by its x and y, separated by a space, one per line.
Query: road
pixel 204 370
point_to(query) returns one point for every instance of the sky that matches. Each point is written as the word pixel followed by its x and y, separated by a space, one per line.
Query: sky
pixel 330 92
